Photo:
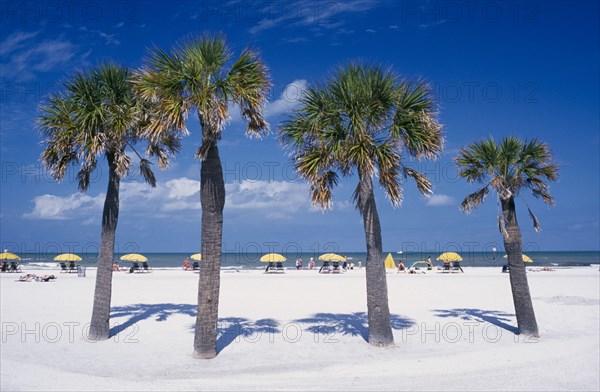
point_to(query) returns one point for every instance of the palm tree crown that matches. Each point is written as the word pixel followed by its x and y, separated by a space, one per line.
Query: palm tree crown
pixel 198 75
pixel 364 118
pixel 507 167
pixel 97 113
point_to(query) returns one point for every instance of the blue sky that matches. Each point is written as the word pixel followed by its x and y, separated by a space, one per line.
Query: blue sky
pixel 529 69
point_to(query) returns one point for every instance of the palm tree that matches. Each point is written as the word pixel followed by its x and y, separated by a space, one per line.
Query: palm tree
pixel 507 168
pixel 364 118
pixel 199 75
pixel 97 114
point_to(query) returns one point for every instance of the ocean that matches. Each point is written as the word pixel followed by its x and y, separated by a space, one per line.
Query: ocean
pixel 251 260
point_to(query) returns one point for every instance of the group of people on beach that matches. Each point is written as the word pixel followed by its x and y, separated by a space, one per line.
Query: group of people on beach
pixel 311 264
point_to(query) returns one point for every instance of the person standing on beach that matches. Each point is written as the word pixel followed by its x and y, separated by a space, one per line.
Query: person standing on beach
pixel 311 263
pixel 299 263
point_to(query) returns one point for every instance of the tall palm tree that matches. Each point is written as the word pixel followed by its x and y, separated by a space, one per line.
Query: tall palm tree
pixel 95 115
pixel 365 118
pixel 508 168
pixel 200 75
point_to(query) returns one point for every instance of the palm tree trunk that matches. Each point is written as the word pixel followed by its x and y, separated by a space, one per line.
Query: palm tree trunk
pixel 212 195
pixel 518 278
pixel 380 330
pixel 99 326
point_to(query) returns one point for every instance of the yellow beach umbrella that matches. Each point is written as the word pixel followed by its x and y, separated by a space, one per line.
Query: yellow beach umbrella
pixel 449 256
pixel 331 257
pixel 9 256
pixel 526 259
pixel 389 262
pixel 67 257
pixel 134 257
pixel 196 256
pixel 272 258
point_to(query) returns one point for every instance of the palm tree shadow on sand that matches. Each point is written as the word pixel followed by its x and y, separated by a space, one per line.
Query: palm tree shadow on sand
pixel 139 312
pixel 230 329
pixel 353 324
pixel 495 317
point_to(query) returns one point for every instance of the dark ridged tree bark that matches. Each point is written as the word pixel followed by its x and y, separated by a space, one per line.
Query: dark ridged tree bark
pixel 212 197
pixel 518 278
pixel 380 330
pixel 100 324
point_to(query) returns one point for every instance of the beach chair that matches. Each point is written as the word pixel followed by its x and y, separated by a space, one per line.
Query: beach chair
pixel 4 266
pixel 195 266
pixel 324 268
pixel 336 268
pixel 145 267
pixel 505 268
pixel 456 267
pixel 270 267
pixel 446 267
pixel 279 267
pixel 15 267
pixel 63 268
pixel 72 267
pixel 134 267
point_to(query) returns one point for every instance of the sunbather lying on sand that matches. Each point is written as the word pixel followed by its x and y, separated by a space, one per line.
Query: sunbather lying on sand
pixel 31 277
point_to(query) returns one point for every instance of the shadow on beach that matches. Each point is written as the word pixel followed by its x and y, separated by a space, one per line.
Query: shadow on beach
pixel 353 324
pixel 139 312
pixel 229 328
pixel 495 317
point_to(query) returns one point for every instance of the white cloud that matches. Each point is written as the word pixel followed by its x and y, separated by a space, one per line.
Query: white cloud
pixel 289 99
pixel 440 200
pixel 26 57
pixel 272 200
pixel 286 103
pixel 317 16
pixel 275 199
pixel 182 187
pixel 15 41
pixel 52 207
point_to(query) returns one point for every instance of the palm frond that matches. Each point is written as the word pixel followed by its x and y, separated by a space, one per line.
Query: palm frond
pixel 536 223
pixel 320 189
pixel 415 122
pixel 423 182
pixel 147 173
pixel 84 174
pixel 474 199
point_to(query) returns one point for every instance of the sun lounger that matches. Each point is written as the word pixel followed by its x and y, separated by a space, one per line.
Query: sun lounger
pixel 279 267
pixel 325 268
pixel 14 267
pixel 63 268
pixel 4 267
pixel 195 266
pixel 134 267
pixel 72 267
pixel 456 267
pixel 446 267
pixel 145 267
pixel 336 268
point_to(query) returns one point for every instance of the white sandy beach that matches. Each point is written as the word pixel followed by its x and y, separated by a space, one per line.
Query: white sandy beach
pixel 303 331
